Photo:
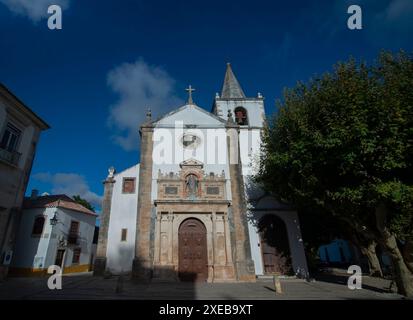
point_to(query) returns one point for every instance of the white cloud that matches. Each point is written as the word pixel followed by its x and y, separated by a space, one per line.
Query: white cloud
pixel 392 23
pixel 140 86
pixel 398 15
pixel 69 184
pixel 33 9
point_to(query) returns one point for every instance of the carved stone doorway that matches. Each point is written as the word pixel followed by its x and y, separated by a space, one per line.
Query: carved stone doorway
pixel 193 257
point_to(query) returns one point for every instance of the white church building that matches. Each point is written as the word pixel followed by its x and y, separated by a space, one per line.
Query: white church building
pixel 189 210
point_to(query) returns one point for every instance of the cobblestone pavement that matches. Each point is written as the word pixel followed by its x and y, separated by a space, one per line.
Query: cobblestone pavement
pixel 86 286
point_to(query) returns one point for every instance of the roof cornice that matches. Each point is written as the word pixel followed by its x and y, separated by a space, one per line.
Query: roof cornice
pixel 6 93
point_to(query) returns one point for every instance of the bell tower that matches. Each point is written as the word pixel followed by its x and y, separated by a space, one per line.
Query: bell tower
pixel 248 114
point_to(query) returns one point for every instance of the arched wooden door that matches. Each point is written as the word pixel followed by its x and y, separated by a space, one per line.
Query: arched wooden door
pixel 274 245
pixel 193 257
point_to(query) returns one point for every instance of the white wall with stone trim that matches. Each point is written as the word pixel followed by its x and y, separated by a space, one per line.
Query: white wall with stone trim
pixel 39 252
pixel 120 254
pixel 255 248
pixel 205 123
pixel 30 251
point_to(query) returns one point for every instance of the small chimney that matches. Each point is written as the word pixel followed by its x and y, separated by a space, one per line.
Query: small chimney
pixel 35 194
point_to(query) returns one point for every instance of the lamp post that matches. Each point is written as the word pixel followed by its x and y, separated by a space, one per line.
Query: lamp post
pixel 54 220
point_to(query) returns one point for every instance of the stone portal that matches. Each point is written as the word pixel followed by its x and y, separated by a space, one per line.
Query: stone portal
pixel 192 231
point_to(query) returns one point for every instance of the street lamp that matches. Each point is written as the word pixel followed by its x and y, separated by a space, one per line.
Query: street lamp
pixel 53 221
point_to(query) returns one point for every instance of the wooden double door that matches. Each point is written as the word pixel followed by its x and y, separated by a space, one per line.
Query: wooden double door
pixel 193 253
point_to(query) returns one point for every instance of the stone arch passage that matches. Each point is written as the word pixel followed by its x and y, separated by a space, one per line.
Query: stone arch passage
pixel 193 253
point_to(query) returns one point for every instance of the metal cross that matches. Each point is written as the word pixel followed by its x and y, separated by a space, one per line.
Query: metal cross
pixel 190 90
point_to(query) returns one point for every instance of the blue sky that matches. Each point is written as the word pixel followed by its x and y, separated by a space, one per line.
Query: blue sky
pixel 92 80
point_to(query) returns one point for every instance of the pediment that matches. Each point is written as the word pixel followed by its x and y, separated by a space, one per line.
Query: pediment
pixel 190 115
pixel 193 163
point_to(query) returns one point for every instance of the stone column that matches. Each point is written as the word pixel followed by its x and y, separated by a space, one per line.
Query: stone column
pixel 227 240
pixel 158 238
pixel 214 237
pixel 170 236
pixel 244 264
pixel 142 267
pixel 211 254
pixel 101 251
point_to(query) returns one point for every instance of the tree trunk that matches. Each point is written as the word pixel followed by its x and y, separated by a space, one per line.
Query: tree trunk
pixel 368 249
pixel 402 275
pixel 408 254
pixel 374 263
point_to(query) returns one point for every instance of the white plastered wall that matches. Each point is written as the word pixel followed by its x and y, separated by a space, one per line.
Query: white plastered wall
pixel 120 254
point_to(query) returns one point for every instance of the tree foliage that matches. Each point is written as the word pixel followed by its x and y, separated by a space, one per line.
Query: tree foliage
pixel 344 143
pixel 83 202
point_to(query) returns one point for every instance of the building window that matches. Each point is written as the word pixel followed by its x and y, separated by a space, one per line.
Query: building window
pixel 10 138
pixel 124 235
pixel 73 232
pixel 9 144
pixel 38 226
pixel 76 255
pixel 241 116
pixel 128 185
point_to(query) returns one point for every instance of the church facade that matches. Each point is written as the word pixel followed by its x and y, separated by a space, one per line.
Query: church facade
pixel 190 210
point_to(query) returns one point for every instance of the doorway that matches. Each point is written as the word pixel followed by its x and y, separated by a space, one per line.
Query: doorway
pixel 193 256
pixel 59 257
pixel 275 247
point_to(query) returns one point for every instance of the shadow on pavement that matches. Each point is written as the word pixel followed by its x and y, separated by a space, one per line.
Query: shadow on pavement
pixel 269 288
pixel 342 280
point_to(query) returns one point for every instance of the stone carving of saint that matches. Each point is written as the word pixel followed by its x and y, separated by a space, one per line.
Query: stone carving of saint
pixel 192 185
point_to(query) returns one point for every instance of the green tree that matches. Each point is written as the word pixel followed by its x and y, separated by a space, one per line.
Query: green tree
pixel 84 203
pixel 344 143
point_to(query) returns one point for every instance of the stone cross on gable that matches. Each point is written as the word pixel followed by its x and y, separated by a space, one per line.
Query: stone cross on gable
pixel 190 90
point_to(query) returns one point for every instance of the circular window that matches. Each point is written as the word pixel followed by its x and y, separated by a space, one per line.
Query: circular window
pixel 190 141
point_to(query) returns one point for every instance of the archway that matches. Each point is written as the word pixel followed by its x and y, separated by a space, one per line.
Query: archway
pixel 275 246
pixel 192 247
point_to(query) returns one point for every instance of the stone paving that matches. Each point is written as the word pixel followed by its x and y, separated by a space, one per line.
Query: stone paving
pixel 86 286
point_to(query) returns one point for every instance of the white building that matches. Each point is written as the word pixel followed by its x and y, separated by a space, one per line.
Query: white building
pixel 190 210
pixel 54 230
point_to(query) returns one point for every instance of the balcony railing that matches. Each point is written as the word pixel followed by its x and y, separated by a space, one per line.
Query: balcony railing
pixel 11 157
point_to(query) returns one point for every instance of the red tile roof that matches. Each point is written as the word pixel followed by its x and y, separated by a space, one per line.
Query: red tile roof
pixel 56 201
